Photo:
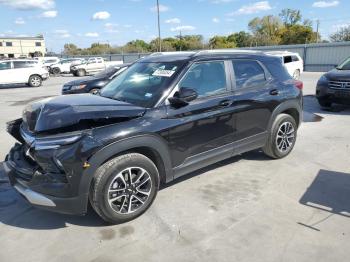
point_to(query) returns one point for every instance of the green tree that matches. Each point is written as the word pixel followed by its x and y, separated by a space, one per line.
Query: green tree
pixel 290 17
pixel 71 49
pixel 221 42
pixel 266 29
pixel 136 46
pixel 297 34
pixel 241 39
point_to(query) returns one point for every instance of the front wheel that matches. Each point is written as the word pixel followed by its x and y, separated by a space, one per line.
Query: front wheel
pixel 324 102
pixel 35 81
pixel 124 188
pixel 282 137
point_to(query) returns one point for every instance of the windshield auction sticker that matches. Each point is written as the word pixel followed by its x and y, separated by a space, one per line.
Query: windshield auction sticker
pixel 163 73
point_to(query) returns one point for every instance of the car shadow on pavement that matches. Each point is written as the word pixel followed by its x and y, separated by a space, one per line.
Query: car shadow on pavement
pixel 255 155
pixel 17 212
pixel 311 106
pixel 330 191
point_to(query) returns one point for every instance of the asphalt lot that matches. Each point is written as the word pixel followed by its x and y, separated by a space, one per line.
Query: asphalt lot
pixel 247 208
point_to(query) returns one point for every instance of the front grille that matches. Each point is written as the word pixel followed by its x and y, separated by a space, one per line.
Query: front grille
pixel 344 84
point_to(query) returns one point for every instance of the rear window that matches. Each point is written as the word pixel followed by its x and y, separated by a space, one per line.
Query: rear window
pixel 23 64
pixel 276 69
pixel 287 59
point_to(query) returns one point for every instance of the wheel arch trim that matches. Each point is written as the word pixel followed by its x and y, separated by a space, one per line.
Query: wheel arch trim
pixel 152 142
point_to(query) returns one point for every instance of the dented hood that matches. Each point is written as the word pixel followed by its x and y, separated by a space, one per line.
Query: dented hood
pixel 65 111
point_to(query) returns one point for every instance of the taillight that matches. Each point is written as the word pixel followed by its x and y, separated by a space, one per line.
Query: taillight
pixel 299 84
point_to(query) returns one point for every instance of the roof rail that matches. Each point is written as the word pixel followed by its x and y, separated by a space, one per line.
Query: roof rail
pixel 227 51
pixel 172 53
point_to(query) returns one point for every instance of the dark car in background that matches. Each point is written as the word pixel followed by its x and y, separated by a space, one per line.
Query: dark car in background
pixel 163 117
pixel 334 86
pixel 93 84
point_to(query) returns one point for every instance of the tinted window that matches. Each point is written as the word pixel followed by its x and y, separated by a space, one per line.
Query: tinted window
pixel 287 59
pixel 248 73
pixel 295 58
pixel 23 64
pixel 51 61
pixel 8 43
pixel 5 65
pixel 206 78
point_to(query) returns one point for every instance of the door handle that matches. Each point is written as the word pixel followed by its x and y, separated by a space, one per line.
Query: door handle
pixel 225 103
pixel 274 92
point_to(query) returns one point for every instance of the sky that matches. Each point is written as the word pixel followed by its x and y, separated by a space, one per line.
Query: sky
pixel 116 22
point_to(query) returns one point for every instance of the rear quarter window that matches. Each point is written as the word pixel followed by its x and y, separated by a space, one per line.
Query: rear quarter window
pixel 276 68
pixel 248 73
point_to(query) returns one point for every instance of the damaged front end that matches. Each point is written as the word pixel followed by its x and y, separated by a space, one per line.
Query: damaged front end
pixel 55 141
pixel 47 169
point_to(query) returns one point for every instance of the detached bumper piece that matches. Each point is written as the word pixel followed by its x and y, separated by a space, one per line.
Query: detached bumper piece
pixel 25 176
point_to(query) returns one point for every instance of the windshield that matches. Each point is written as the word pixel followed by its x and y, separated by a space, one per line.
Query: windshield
pixel 142 84
pixel 344 65
pixel 107 73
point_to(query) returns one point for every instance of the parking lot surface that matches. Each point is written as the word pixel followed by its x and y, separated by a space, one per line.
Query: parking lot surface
pixel 247 208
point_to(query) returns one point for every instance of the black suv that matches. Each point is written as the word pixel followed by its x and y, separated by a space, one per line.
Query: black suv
pixel 165 116
pixel 93 84
pixel 334 86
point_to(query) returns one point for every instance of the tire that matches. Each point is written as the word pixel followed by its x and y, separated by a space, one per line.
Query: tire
pixel 94 91
pixel 284 128
pixel 109 177
pixel 56 71
pixel 296 74
pixel 81 72
pixel 324 102
pixel 35 81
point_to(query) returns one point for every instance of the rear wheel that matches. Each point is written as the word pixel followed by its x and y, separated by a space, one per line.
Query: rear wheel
pixel 56 71
pixel 282 137
pixel 35 81
pixel 81 72
pixel 124 188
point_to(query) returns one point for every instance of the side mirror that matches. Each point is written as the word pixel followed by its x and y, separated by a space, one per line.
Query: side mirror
pixel 183 97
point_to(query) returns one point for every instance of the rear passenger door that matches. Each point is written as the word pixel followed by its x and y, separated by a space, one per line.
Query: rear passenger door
pixel 254 95
pixel 23 70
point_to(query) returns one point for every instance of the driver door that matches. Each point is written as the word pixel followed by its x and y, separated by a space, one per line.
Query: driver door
pixel 203 130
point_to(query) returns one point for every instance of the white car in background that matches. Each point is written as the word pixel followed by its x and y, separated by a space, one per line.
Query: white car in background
pixel 92 66
pixel 22 71
pixel 292 61
pixel 64 65
pixel 48 61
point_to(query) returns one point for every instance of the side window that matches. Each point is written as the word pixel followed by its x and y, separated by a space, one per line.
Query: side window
pixel 206 78
pixel 287 59
pixel 295 58
pixel 5 65
pixel 19 64
pixel 248 73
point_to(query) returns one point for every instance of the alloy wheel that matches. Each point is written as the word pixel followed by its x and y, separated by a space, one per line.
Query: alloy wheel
pixel 35 81
pixel 129 190
pixel 285 137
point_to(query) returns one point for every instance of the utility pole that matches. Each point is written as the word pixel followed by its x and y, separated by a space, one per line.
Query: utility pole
pixel 160 41
pixel 317 26
pixel 180 40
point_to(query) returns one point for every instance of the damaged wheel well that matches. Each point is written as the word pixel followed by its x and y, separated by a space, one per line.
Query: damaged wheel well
pixel 151 154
